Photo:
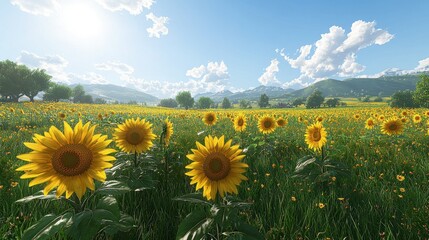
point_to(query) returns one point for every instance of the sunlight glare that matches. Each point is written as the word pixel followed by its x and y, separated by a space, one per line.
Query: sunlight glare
pixel 81 21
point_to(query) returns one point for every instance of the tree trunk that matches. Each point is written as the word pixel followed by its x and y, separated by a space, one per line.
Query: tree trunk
pixel 31 98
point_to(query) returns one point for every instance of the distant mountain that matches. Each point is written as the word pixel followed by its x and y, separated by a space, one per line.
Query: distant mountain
pixel 113 93
pixel 251 94
pixel 356 87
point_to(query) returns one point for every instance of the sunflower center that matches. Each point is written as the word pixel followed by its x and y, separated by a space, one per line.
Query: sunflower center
pixel 134 137
pixel 392 127
pixel 210 118
pixel 72 159
pixel 316 135
pixel 267 124
pixel 240 122
pixel 216 166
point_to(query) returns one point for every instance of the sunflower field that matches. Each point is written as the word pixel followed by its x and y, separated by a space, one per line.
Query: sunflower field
pixel 75 171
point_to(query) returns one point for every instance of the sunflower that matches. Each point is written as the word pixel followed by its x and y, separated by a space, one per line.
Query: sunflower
pixel 69 161
pixel 209 118
pixel 404 113
pixel 62 115
pixel 240 122
pixel 267 124
pixel 216 167
pixel 134 135
pixel 369 123
pixel 356 116
pixel 167 131
pixel 427 113
pixel 315 136
pixel 319 119
pixel 281 122
pixel 417 118
pixel 392 126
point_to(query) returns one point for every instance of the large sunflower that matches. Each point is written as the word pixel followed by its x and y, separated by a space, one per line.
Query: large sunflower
pixel 167 130
pixel 134 136
pixel 281 122
pixel 315 136
pixel 392 126
pixel 210 118
pixel 216 167
pixel 267 124
pixel 240 122
pixel 69 161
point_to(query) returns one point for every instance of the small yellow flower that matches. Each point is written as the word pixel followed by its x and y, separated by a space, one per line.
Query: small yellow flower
pixel 400 178
pixel 321 205
pixel 293 199
pixel 1 187
pixel 14 184
pixel 402 189
pixel 341 198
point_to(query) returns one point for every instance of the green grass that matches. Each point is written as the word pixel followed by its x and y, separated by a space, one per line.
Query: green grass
pixel 373 207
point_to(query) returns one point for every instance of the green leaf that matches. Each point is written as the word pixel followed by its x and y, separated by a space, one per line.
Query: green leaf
pixel 193 198
pixel 112 187
pixel 38 195
pixel 194 226
pixel 249 232
pixel 47 226
pixel 84 226
pixel 107 208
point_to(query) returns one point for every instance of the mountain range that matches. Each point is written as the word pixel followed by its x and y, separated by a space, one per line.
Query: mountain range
pixel 385 85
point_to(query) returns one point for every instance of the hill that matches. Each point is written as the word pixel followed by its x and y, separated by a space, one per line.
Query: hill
pixel 251 94
pixel 356 87
pixel 113 93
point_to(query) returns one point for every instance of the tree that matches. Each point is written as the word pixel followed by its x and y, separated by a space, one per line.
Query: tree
pixel 185 99
pixel 333 102
pixel 205 102
pixel 100 101
pixel 421 95
pixel 13 80
pixel 57 92
pixel 263 101
pixel 78 93
pixel 87 99
pixel 298 101
pixel 245 104
pixel 38 81
pixel 226 103
pixel 403 99
pixel 315 99
pixel 169 102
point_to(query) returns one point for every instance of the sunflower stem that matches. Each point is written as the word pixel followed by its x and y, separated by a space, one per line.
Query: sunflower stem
pixel 135 158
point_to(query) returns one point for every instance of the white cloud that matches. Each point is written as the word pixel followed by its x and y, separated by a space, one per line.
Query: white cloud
pixel 134 7
pixel 159 25
pixel 269 76
pixel 335 53
pixel 118 67
pixel 39 7
pixel 54 65
pixel 423 65
pixel 92 78
pixel 214 72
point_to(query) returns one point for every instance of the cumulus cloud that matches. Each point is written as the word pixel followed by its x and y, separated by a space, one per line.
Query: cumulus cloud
pixel 92 78
pixel 54 65
pixel 134 7
pixel 159 25
pixel 269 76
pixel 335 53
pixel 213 72
pixel 39 7
pixel 423 66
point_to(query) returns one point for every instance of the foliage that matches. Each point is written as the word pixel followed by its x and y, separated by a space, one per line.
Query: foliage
pixel 204 102
pixel 57 92
pixel 245 104
pixel 184 99
pixel 333 102
pixel 226 103
pixel 298 101
pixel 403 99
pixel 314 100
pixel 18 80
pixel 169 102
pixel 263 101
pixel 421 95
pixel 100 101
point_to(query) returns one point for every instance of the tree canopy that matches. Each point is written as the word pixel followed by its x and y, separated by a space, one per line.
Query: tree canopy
pixel 264 101
pixel 421 95
pixel 315 100
pixel 57 92
pixel 226 103
pixel 403 99
pixel 18 80
pixel 169 102
pixel 185 99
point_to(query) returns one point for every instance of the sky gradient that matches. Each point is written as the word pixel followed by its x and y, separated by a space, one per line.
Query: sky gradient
pixel 165 46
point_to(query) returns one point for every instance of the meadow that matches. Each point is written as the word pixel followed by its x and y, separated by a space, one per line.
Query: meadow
pixel 380 192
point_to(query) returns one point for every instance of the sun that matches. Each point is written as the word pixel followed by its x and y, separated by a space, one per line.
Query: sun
pixel 80 20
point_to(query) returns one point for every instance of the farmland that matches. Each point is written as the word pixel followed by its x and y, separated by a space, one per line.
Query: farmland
pixel 379 192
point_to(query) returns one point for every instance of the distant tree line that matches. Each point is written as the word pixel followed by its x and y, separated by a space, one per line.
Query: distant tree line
pixel 413 99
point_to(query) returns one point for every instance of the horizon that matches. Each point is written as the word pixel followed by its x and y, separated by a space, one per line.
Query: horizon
pixel 213 46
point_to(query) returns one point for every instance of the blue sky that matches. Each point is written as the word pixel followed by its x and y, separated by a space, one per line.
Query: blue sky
pixel 162 47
